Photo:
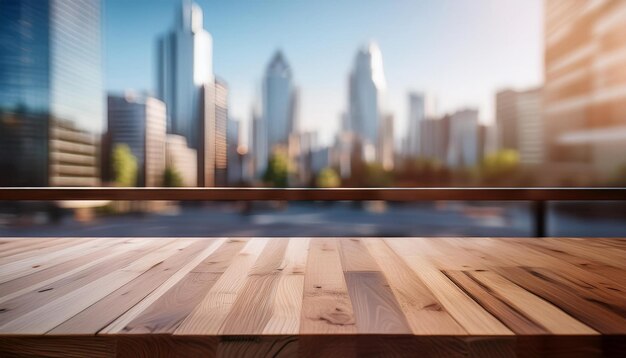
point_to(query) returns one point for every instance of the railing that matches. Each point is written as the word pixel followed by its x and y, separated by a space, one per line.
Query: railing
pixel 539 196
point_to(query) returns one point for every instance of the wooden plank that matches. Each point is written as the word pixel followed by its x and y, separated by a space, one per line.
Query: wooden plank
pixel 375 307
pixel 254 304
pixel 355 256
pixel 287 310
pixel 164 346
pixel 121 255
pixel 582 248
pixel 29 265
pixel 326 306
pixel 165 308
pixel 61 347
pixel 590 290
pixel 424 313
pixel 596 316
pixel 209 315
pixel 541 311
pixel 513 318
pixel 613 275
pixel 17 287
pixel 91 320
pixel 258 346
pixel 472 317
pixel 24 247
pixel 50 315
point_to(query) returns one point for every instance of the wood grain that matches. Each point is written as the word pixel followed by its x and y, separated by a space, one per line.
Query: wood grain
pixel 164 309
pixel 424 313
pixel 326 306
pixel 212 311
pixel 352 297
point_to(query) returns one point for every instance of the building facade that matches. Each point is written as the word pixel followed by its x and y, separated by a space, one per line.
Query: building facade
pixel 585 80
pixel 520 125
pixel 464 145
pixel 184 65
pixel 421 107
pixel 366 91
pixel 181 158
pixel 434 138
pixel 139 122
pixel 51 92
pixel 278 118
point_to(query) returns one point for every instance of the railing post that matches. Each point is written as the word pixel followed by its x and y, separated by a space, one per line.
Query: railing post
pixel 540 218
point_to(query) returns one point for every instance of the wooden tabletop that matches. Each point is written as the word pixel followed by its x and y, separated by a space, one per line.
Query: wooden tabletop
pixel 312 296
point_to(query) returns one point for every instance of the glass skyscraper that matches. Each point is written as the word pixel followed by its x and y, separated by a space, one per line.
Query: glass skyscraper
pixel 279 106
pixel 366 92
pixel 51 95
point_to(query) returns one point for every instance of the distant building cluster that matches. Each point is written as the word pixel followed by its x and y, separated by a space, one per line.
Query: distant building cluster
pixel 57 129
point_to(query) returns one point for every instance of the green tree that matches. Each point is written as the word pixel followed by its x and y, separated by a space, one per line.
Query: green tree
pixel 124 165
pixel 172 178
pixel 619 176
pixel 327 178
pixel 277 171
pixel 377 176
pixel 500 166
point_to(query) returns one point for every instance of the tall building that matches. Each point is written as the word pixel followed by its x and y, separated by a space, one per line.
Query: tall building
pixel 182 159
pixel 386 142
pixel 221 135
pixel 507 119
pixel 421 107
pixel 434 138
pixel 185 82
pixel 51 92
pixel 465 142
pixel 139 122
pixel 234 153
pixel 366 92
pixel 585 82
pixel 519 120
pixel 279 110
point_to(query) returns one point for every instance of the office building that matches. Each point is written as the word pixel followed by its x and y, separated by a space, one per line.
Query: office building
pixel 434 138
pixel 585 82
pixel 51 92
pixel 181 159
pixel 386 142
pixel 464 143
pixel 366 91
pixel 421 107
pixel 184 65
pixel 278 118
pixel 212 150
pixel 139 122
pixel 197 102
pixel 520 125
pixel 234 153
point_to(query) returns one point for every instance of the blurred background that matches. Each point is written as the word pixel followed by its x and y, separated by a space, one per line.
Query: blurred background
pixel 434 93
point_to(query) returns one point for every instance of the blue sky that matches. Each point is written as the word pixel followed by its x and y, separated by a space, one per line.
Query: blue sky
pixel 461 51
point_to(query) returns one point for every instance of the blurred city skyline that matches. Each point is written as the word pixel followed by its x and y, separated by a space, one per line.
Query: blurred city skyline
pixel 461 52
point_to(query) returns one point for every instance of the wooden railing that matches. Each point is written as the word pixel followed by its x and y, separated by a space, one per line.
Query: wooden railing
pixel 539 196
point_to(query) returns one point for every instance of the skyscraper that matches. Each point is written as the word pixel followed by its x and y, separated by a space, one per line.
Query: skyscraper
pixel 181 159
pixel 464 145
pixel 279 110
pixel 51 94
pixel 519 122
pixel 185 81
pixel 434 138
pixel 139 122
pixel 366 91
pixel 585 83
pixel 421 107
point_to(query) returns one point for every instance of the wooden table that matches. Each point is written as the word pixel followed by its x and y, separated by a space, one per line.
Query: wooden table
pixel 312 297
